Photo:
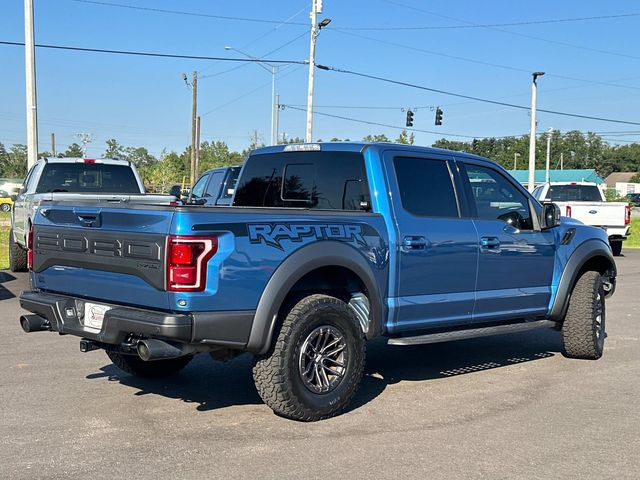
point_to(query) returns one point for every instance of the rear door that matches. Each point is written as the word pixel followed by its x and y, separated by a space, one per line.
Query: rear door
pixel 437 245
pixel 516 259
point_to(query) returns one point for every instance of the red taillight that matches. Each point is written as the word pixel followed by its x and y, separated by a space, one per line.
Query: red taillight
pixel 568 211
pixel 187 259
pixel 627 215
pixel 30 248
pixel 89 160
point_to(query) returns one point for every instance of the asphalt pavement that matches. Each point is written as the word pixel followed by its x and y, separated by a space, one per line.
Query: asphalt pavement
pixel 503 407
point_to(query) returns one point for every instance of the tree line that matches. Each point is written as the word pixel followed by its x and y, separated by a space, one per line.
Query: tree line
pixel 577 150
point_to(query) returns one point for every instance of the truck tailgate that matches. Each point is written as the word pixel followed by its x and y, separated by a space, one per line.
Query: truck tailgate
pixel 113 254
pixel 601 214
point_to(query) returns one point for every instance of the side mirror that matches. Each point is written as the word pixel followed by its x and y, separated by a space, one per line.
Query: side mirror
pixel 176 191
pixel 550 215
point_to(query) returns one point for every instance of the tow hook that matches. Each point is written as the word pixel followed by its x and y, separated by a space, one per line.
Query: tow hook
pixel 87 345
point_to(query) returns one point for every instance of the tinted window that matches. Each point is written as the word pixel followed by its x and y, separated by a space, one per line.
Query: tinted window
pixel 323 180
pixel 298 181
pixel 426 188
pixel 213 189
pixel 576 193
pixel 497 198
pixel 198 189
pixel 87 178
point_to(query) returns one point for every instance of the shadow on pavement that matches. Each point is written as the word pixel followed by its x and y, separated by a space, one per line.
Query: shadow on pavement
pixel 214 385
pixel 4 278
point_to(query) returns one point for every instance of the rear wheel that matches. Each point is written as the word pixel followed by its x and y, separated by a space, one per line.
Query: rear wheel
pixel 583 330
pixel 616 248
pixel 17 255
pixel 5 207
pixel 134 365
pixel 315 367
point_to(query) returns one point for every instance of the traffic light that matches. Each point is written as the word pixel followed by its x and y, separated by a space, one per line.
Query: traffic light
pixel 438 116
pixel 409 118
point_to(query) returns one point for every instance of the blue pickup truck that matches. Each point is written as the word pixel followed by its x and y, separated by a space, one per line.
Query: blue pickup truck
pixel 324 247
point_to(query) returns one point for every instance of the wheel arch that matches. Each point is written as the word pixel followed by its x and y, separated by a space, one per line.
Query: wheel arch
pixel 313 265
pixel 592 255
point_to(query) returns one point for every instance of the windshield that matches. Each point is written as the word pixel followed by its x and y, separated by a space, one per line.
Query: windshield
pixel 576 193
pixel 87 178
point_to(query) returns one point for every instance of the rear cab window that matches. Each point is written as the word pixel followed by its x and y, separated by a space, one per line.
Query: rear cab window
pixel 87 178
pixel 575 193
pixel 317 180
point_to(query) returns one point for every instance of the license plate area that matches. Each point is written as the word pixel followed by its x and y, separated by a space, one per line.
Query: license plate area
pixel 93 317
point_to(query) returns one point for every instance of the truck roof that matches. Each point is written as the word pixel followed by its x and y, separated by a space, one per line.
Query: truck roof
pixel 360 147
pixel 109 161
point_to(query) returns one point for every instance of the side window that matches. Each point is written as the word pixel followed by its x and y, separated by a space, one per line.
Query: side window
pixel 213 189
pixel 497 198
pixel 28 178
pixel 426 187
pixel 198 189
pixel 537 192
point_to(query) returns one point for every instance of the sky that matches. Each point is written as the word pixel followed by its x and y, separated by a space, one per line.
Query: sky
pixel 592 66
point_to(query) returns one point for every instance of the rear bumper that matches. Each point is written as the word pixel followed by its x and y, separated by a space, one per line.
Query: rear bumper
pixel 618 233
pixel 65 313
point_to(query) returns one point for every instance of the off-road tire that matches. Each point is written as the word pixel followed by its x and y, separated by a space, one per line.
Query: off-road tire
pixel 583 336
pixel 134 365
pixel 277 374
pixel 616 248
pixel 17 255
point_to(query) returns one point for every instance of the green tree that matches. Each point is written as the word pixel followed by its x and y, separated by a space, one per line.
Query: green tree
pixel 114 149
pixel 405 139
pixel 635 178
pixel 14 164
pixel 381 137
pixel 74 150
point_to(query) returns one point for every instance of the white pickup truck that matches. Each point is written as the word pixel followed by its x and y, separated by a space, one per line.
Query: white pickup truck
pixel 585 201
pixel 77 180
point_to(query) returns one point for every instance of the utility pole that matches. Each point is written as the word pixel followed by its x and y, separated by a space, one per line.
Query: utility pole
pixel 532 134
pixel 194 114
pixel 561 160
pixel 515 160
pixel 32 104
pixel 312 67
pixel 197 146
pixel 547 172
pixel 277 120
pixel 53 145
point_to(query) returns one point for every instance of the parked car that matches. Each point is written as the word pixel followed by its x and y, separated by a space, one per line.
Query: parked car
pixel 584 201
pixel 76 180
pixel 634 199
pixel 215 187
pixel 5 202
pixel 325 247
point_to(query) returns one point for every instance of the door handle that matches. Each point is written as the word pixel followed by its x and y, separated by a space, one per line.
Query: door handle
pixel 411 244
pixel 489 243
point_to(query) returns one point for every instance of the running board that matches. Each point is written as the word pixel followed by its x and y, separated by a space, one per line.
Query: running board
pixel 472 333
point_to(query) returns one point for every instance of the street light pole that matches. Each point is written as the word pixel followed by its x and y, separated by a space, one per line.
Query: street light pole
pixel 547 173
pixel 515 161
pixel 312 67
pixel 532 134
pixel 30 66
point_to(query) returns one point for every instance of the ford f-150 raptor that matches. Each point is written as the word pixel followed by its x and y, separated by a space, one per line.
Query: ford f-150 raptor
pixel 325 247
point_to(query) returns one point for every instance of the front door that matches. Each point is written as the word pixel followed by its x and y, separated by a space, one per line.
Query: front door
pixel 516 261
pixel 436 246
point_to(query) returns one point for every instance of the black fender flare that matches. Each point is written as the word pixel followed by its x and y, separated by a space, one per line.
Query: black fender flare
pixel 581 255
pixel 311 257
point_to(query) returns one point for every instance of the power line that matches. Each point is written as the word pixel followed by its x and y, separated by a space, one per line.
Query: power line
pixel 154 54
pixel 470 97
pixel 411 129
pixel 488 25
pixel 182 12
pixel 480 62
pixel 541 39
